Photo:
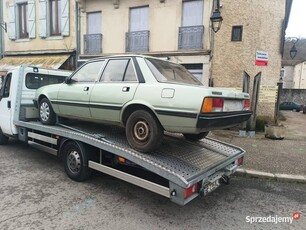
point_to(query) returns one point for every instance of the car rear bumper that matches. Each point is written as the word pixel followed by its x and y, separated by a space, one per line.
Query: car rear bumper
pixel 222 119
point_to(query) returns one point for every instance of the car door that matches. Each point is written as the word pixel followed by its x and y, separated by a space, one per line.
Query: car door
pixel 73 95
pixel 116 87
pixel 5 105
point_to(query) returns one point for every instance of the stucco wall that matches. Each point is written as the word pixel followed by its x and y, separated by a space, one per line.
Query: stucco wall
pixel 288 77
pixel 164 21
pixel 299 76
pixel 41 44
pixel 262 23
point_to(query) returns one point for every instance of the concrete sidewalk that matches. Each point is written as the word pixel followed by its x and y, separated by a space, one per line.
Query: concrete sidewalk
pixel 275 159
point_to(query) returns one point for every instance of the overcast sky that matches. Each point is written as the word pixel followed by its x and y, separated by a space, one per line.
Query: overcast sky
pixel 297 20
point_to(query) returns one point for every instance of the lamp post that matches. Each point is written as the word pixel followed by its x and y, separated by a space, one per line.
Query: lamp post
pixel 293 51
pixel 216 18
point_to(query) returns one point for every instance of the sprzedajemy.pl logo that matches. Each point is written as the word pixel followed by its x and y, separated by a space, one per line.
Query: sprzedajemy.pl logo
pixel 273 219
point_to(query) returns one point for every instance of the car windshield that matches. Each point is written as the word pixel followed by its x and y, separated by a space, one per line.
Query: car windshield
pixel 170 72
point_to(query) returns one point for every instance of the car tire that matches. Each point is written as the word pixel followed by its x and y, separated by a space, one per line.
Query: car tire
pixel 75 161
pixel 46 113
pixel 195 137
pixel 143 132
pixel 3 139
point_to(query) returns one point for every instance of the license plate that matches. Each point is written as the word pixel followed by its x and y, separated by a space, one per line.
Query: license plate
pixel 232 105
pixel 209 187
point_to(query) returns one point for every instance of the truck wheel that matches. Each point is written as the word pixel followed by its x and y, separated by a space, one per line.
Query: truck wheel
pixel 3 139
pixel 143 131
pixel 46 113
pixel 195 137
pixel 75 161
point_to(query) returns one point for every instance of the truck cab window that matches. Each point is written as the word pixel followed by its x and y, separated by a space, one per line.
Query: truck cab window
pixel 36 80
pixel 6 86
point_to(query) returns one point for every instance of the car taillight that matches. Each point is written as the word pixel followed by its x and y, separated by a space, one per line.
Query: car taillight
pixel 211 104
pixel 240 161
pixel 191 190
pixel 247 104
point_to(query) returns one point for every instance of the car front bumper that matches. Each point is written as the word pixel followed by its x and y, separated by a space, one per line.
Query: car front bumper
pixel 219 120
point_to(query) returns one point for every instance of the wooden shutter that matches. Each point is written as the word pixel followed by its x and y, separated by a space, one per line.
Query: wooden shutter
pixel 31 19
pixel 12 22
pixel 65 17
pixel 43 18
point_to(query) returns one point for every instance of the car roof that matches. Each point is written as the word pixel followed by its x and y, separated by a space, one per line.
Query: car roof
pixel 124 56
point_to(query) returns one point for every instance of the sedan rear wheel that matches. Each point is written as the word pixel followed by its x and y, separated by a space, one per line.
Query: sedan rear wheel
pixel 46 113
pixel 143 131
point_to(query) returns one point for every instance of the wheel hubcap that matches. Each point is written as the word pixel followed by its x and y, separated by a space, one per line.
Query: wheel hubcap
pixel 44 111
pixel 74 161
pixel 141 130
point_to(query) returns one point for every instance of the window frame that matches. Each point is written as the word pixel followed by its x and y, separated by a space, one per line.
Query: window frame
pixel 240 34
pixel 22 7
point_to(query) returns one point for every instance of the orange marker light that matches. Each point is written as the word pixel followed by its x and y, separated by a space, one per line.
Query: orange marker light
pixel 121 159
pixel 207 105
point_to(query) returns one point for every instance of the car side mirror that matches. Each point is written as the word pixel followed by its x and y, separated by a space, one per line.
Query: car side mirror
pixel 68 80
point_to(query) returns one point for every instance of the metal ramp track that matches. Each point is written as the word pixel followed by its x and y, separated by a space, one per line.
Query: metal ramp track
pixel 177 160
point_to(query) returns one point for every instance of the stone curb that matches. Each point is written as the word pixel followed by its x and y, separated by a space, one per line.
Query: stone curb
pixel 271 176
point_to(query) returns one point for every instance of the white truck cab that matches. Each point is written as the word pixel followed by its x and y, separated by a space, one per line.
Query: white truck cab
pixel 23 82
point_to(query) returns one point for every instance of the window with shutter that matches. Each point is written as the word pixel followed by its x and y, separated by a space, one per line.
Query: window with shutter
pixel 22 10
pixel 55 17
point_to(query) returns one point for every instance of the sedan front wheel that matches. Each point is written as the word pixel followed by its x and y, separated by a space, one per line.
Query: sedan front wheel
pixel 143 131
pixel 46 113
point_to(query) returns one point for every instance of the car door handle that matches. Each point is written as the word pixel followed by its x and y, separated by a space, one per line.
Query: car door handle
pixel 9 104
pixel 86 88
pixel 125 89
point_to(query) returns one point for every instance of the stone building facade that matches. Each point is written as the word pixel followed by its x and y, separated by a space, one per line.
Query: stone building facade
pixel 250 26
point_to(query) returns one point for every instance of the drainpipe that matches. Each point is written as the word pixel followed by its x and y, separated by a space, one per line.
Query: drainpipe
pixel 78 33
pixel 1 31
pixel 301 74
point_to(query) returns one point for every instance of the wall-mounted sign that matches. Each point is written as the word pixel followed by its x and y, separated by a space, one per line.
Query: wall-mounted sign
pixel 261 58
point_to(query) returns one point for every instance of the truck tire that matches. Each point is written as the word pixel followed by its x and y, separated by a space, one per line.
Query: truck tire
pixel 75 161
pixel 3 139
pixel 195 137
pixel 143 132
pixel 46 113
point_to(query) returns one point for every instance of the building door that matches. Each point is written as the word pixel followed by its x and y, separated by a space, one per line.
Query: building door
pixel 93 38
pixel 138 36
pixel 5 105
pixel 94 23
pixel 192 13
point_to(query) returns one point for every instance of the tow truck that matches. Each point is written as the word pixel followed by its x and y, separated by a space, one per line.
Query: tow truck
pixel 186 169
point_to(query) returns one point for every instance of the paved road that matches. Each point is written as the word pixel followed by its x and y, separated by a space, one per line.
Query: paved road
pixel 36 194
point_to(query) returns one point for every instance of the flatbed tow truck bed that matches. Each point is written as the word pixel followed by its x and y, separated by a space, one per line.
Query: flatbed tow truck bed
pixel 183 163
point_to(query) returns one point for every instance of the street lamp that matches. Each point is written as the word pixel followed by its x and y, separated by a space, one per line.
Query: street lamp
pixel 293 51
pixel 216 18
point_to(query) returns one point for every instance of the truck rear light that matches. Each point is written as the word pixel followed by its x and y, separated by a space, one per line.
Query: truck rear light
pixel 240 161
pixel 247 104
pixel 191 190
pixel 211 104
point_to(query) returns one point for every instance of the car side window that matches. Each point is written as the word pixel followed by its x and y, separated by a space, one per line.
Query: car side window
pixel 115 70
pixel 88 72
pixel 130 73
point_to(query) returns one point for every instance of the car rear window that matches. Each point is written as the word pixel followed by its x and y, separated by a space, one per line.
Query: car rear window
pixel 170 72
pixel 36 80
